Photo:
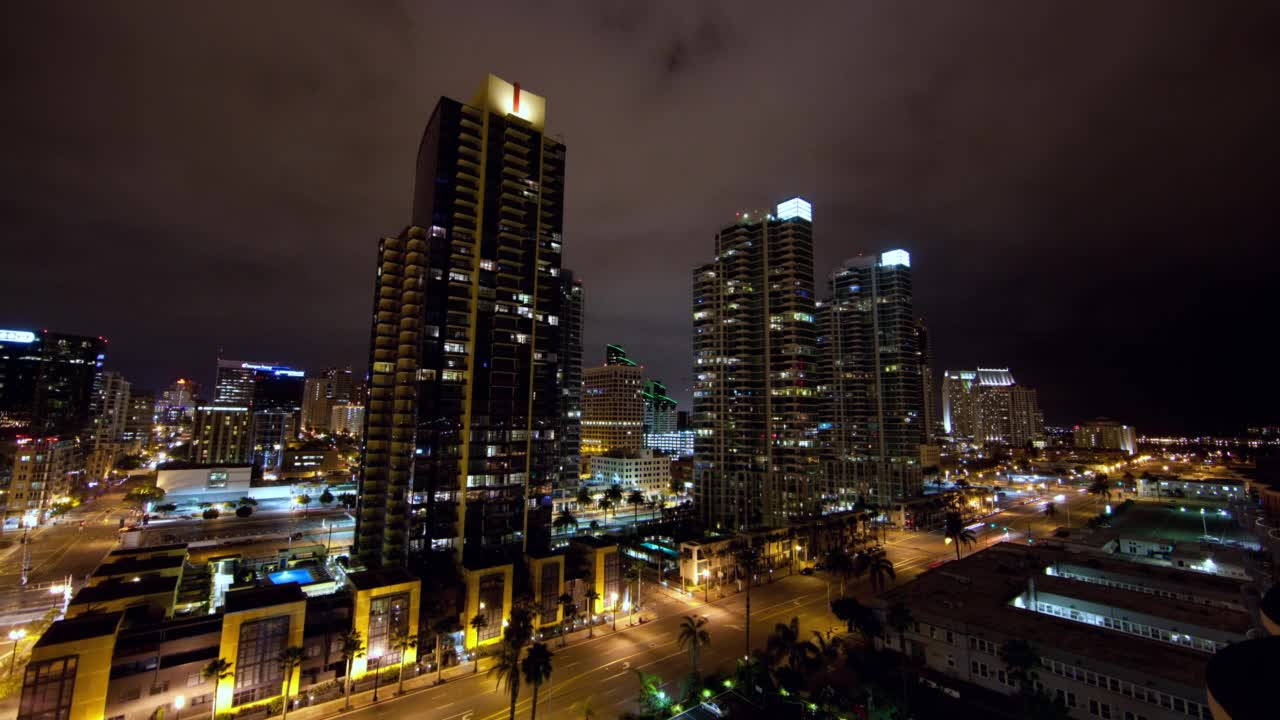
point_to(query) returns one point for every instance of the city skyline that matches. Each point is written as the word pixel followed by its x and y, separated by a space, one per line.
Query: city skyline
pixel 1048 260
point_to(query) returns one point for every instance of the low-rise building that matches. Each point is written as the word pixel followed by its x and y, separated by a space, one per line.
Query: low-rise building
pixel 130 658
pixel 1108 643
pixel 642 470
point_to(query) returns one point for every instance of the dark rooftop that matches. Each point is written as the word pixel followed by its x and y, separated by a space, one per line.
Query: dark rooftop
pixel 121 589
pixel 84 627
pixel 977 592
pixel 128 552
pixel 369 579
pixel 182 465
pixel 132 565
pixel 1230 621
pixel 241 600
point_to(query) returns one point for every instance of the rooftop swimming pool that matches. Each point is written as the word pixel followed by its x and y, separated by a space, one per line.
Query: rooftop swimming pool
pixel 664 550
pixel 302 576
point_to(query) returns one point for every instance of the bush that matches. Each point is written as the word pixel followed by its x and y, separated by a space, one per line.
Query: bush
pixel 244 511
pixel 210 514
pixel 167 507
pixel 326 497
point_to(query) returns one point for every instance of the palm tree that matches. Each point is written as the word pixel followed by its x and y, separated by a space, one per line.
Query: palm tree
pixel 635 499
pixel 217 671
pixel 352 647
pixel 899 618
pixel 786 648
pixel 605 504
pixel 955 532
pixel 1019 657
pixel 1100 489
pixel 748 559
pixel 537 670
pixel 840 563
pixel 1050 509
pixel 635 573
pixel 584 497
pixel 567 608
pixel 592 595
pixel 507 672
pixel 444 626
pixel 479 622
pixel 858 617
pixel 290 659
pixel 565 519
pixel 879 568
pixel 693 636
pixel 402 643
pixel 614 493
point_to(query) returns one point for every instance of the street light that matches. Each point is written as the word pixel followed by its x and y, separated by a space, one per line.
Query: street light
pixel 613 600
pixel 16 636
pixel 179 703
pixel 706 586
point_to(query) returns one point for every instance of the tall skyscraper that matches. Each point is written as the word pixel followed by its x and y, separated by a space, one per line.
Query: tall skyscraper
pixel 461 445
pixel 271 431
pixel 111 410
pixel 873 396
pixel 48 380
pixel 928 385
pixel 572 298
pixel 612 405
pixel 754 406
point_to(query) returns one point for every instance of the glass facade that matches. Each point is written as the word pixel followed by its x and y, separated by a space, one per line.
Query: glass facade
pixel 47 688
pixel 550 590
pixel 491 590
pixel 388 615
pixel 258 672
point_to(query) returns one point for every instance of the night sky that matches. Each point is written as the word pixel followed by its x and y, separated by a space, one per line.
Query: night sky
pixel 1087 189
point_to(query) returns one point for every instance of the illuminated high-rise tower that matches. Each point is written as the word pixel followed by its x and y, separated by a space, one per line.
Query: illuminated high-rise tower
pixel 754 398
pixel 873 396
pixel 464 400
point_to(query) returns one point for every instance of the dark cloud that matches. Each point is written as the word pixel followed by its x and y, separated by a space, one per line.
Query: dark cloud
pixel 1086 192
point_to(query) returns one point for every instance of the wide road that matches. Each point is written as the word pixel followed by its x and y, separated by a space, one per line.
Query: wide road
pixel 601 670
pixel 56 551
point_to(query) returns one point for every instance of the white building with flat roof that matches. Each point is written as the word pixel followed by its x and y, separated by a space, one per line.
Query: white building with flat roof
pixel 639 469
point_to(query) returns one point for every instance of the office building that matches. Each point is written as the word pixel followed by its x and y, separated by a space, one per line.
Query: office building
pixel 1111 639
pixel 321 393
pixel 642 470
pixel 989 407
pixel 45 472
pixel 1106 434
pixel 613 405
pixel 261 386
pixel 461 449
pixel 874 422
pixel 754 406
pixel 222 435
pixel 659 408
pixel 346 419
pixel 270 433
pixel 140 418
pixel 110 411
pixel 48 381
pixel 677 444
pixel 572 298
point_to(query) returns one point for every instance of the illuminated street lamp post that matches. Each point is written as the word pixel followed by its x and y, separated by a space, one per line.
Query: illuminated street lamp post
pixel 179 703
pixel 706 586
pixel 613 598
pixel 16 636
pixel 1203 523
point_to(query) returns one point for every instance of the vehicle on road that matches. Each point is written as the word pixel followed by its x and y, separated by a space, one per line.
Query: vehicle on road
pixel 806 571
